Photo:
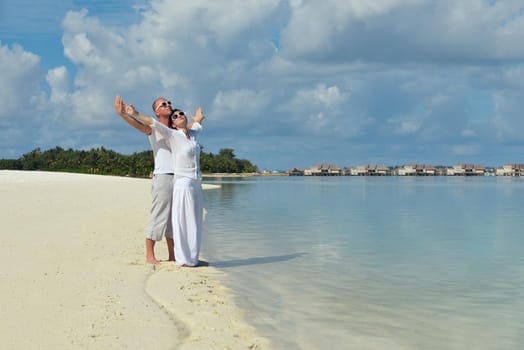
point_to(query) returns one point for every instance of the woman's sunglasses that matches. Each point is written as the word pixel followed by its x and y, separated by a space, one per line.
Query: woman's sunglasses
pixel 177 114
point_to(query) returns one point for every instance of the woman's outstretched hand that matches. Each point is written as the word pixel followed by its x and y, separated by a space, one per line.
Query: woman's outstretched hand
pixel 199 116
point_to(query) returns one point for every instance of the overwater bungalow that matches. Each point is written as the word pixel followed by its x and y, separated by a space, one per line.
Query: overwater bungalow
pixel 511 170
pixel 370 170
pixel 323 169
pixel 295 172
pixel 466 170
pixel 417 170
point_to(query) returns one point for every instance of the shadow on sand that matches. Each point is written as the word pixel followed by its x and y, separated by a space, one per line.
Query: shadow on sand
pixel 254 261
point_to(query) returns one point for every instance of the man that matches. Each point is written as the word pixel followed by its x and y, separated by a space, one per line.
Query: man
pixel 162 182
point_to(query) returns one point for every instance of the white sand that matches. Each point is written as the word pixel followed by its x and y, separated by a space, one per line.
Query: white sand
pixel 73 274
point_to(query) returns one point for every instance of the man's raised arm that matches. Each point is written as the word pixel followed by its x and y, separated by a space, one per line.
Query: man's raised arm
pixel 121 108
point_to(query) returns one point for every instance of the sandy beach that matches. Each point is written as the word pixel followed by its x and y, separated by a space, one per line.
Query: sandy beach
pixel 74 277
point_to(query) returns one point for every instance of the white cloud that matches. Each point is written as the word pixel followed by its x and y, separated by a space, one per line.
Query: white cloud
pixel 468 133
pixel 507 124
pixel 239 106
pixel 326 96
pixel 465 150
pixel 514 76
pixel 418 30
pixel 319 97
pixel 58 80
pixel 90 45
pixel 22 101
pixel 19 80
pixel 406 126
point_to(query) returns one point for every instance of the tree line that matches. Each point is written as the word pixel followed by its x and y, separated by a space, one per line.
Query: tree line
pixel 107 162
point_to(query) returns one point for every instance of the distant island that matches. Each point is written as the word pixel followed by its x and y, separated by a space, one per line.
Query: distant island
pixel 103 161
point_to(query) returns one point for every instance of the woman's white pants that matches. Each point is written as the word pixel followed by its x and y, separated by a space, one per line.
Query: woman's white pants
pixel 187 220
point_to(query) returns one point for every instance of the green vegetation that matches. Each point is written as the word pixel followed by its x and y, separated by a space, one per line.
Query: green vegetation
pixel 107 162
pixel 225 162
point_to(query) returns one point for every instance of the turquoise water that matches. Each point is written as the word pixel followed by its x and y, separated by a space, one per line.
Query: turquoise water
pixel 373 262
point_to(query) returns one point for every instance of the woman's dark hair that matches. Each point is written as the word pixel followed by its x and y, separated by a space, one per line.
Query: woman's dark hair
pixel 171 125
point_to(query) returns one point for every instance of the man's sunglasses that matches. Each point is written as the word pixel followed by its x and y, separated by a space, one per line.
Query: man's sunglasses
pixel 163 104
pixel 177 114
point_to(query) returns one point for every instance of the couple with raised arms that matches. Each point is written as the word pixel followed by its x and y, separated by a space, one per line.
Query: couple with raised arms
pixel 176 189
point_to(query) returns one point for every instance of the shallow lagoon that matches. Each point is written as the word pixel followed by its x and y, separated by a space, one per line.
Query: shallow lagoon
pixel 373 262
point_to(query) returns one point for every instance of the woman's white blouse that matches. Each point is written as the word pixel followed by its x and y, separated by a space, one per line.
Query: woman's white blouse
pixel 185 152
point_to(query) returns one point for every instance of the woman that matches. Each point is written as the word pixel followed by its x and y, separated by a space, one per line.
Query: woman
pixel 187 209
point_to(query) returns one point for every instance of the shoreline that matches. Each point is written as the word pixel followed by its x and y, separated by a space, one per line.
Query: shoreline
pixel 240 174
pixel 75 276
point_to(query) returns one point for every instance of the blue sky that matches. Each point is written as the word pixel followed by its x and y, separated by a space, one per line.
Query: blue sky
pixel 284 83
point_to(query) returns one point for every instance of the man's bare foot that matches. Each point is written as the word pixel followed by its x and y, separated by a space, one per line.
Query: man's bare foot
pixel 152 261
